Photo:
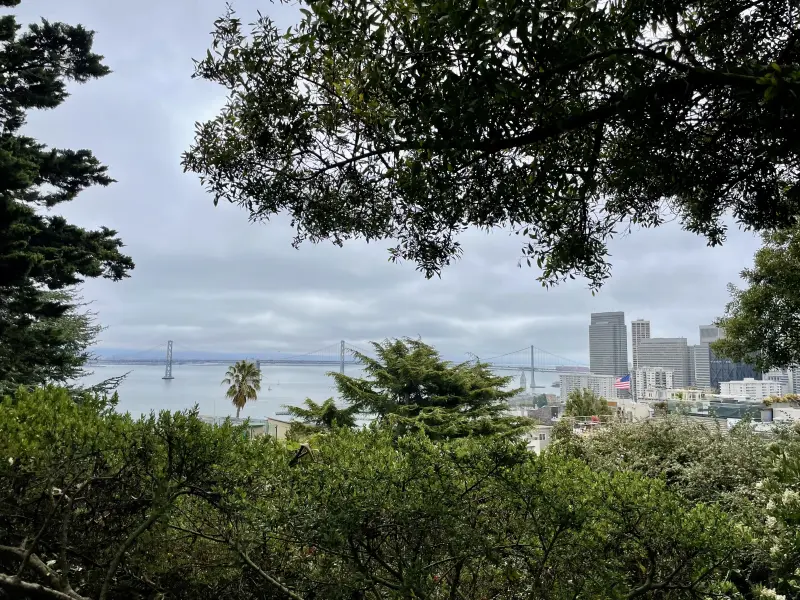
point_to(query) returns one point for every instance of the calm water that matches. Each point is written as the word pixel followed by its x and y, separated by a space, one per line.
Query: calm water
pixel 144 390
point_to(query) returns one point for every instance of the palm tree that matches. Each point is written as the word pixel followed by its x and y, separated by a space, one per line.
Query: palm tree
pixel 244 382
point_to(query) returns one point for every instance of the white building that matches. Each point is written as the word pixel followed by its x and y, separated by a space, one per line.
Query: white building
pixel 790 377
pixel 753 388
pixel 540 438
pixel 653 378
pixel 602 385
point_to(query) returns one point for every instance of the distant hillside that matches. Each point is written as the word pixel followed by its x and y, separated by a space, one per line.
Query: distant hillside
pixel 158 354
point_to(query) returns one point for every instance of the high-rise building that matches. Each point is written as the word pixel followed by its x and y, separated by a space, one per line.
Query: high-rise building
pixel 668 353
pixel 608 344
pixel 779 375
pixel 710 333
pixel 700 366
pixel 723 369
pixel 640 330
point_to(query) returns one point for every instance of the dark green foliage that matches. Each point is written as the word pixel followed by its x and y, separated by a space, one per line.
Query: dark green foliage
pixel 320 418
pixel 755 478
pixel 52 349
pixel 761 321
pixel 408 386
pixel 565 121
pixel 168 507
pixel 38 251
pixel 88 494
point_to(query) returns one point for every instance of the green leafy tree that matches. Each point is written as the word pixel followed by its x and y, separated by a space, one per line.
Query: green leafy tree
pixel 409 386
pixel 39 252
pixel 585 403
pixel 377 517
pixel 761 321
pixel 754 478
pixel 244 382
pixel 89 500
pixel 314 418
pixel 565 121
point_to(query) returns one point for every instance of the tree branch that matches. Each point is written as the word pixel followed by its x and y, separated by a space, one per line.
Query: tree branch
pixel 266 576
pixel 155 515
pixel 17 588
pixel 34 563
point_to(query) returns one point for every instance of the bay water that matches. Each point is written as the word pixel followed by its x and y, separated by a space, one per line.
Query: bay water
pixel 144 389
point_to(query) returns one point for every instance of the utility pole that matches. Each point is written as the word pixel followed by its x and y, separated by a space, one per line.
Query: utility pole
pixel 168 370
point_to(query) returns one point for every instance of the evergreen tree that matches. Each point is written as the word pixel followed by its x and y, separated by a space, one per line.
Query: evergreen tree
pixel 315 418
pixel 39 252
pixel 410 387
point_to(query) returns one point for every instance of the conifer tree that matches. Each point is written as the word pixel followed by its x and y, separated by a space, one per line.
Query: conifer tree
pixel 41 253
pixel 409 386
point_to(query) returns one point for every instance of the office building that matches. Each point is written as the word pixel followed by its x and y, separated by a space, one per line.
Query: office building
pixel 710 333
pixel 602 385
pixel 723 369
pixel 794 380
pixel 753 388
pixel 667 353
pixel 700 366
pixel 608 344
pixel 790 378
pixel 640 330
pixel 779 375
pixel 653 378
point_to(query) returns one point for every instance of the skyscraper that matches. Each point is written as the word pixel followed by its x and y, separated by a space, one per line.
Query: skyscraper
pixel 723 369
pixel 668 353
pixel 700 366
pixel 608 344
pixel 640 330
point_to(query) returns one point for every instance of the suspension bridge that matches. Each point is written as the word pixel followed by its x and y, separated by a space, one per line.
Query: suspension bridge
pixel 342 354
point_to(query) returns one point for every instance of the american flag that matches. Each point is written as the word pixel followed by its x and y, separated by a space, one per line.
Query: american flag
pixel 623 383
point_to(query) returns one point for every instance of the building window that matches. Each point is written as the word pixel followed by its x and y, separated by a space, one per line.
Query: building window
pixel 542 437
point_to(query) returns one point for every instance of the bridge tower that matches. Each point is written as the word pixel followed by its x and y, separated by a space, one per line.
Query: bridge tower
pixel 168 370
pixel 533 367
pixel 341 357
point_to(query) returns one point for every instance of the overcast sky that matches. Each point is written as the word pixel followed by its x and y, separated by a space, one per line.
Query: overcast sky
pixel 208 279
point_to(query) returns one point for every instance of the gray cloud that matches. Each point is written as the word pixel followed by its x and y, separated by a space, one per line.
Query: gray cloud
pixel 208 279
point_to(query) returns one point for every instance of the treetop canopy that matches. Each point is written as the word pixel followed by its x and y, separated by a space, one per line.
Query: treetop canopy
pixel 565 121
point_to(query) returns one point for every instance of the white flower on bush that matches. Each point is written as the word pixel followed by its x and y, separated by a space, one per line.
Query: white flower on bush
pixel 771 522
pixel 775 551
pixel 770 505
pixel 771 594
pixel 759 485
pixel 790 497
